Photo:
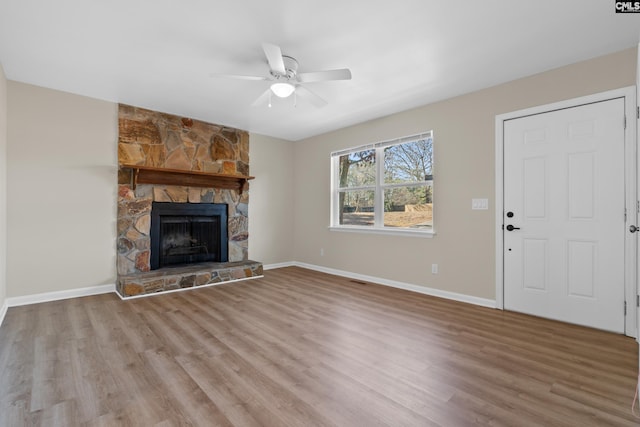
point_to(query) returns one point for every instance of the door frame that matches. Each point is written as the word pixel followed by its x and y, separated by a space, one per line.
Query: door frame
pixel 631 184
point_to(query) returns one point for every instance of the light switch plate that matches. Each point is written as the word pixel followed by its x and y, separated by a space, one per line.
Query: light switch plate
pixel 479 204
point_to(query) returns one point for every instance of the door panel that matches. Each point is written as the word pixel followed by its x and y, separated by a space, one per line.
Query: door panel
pixel 564 182
pixel 534 256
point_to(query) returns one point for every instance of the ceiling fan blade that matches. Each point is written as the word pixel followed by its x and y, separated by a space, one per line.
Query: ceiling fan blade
pixel 274 56
pixel 307 95
pixel 238 77
pixel 319 76
pixel 262 98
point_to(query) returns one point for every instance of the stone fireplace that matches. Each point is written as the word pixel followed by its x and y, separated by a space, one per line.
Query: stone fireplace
pixel 186 179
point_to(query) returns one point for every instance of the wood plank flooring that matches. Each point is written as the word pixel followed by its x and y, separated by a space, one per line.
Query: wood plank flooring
pixel 302 348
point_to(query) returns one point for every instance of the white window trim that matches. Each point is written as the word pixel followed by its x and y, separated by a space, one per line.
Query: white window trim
pixel 378 226
pixel 390 231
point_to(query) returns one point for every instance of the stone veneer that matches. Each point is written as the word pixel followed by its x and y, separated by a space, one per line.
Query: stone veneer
pixel 188 276
pixel 150 138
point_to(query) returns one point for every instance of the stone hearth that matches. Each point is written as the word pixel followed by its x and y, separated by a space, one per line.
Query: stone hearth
pixel 189 276
pixel 158 140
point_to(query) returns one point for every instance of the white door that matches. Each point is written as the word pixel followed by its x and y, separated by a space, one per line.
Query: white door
pixel 637 127
pixel 564 196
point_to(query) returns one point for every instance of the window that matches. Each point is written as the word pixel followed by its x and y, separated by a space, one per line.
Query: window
pixel 386 186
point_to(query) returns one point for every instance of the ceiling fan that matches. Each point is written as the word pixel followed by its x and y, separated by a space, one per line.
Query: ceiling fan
pixel 286 80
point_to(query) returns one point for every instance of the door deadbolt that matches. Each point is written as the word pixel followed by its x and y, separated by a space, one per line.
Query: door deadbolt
pixel 633 228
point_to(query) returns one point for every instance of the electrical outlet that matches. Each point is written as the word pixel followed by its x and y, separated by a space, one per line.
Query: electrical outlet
pixel 480 204
pixel 321 251
pixel 434 268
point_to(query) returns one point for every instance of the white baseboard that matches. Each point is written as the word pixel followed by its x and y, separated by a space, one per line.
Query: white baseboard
pixel 103 289
pixel 279 265
pixel 58 295
pixel 3 312
pixel 401 285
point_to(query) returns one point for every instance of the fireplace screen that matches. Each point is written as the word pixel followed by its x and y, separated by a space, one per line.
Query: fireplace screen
pixel 183 233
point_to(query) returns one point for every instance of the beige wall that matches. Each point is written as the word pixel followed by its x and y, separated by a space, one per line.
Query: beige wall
pixel 62 163
pixel 62 189
pixel 464 140
pixel 62 154
pixel 3 189
pixel 271 200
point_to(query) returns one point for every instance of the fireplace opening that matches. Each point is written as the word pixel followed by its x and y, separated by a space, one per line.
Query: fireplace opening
pixel 184 233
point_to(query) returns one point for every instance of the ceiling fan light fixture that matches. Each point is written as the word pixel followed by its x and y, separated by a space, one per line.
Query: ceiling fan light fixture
pixel 282 90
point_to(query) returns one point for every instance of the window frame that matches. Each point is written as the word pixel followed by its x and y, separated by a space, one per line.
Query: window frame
pixel 378 188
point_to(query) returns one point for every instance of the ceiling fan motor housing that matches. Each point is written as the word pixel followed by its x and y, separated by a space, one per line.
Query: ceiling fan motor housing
pixel 290 66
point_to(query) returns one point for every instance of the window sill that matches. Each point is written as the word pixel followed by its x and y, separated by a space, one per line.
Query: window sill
pixel 425 234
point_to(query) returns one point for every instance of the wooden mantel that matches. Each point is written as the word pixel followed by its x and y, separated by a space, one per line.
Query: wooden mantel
pixel 151 175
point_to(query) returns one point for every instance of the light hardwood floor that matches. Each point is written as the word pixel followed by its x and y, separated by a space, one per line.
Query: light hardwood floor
pixel 301 348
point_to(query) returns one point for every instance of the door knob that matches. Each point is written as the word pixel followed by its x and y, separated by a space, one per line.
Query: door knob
pixel 511 228
pixel 633 228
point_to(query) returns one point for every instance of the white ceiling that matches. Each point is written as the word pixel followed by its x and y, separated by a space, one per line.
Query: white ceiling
pixel 160 54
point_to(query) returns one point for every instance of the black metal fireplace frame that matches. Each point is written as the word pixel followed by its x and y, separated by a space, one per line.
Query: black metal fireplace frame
pixel 159 209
